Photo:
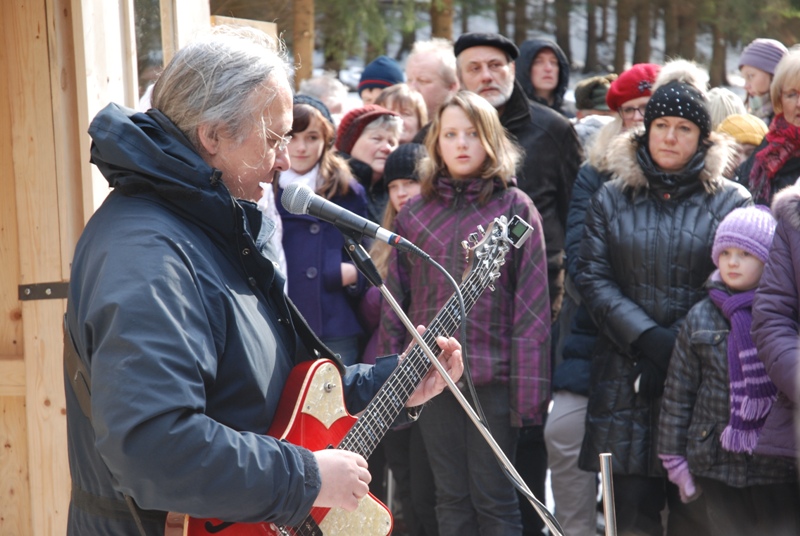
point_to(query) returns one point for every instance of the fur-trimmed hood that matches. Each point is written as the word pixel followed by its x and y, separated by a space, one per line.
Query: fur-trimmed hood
pixel 786 206
pixel 623 164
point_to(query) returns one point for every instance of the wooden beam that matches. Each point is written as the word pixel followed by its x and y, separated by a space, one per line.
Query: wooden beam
pixel 12 377
pixel 181 20
pixel 35 172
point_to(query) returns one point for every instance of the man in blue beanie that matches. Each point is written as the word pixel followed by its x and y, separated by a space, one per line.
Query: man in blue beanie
pixel 379 74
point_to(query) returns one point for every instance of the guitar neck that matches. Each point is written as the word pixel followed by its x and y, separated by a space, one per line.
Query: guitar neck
pixel 390 400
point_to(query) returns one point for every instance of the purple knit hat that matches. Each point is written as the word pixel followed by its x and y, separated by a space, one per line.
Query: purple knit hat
pixel 763 54
pixel 748 228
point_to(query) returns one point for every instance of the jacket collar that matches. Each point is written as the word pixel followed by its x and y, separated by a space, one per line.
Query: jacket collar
pixel 622 162
pixel 786 206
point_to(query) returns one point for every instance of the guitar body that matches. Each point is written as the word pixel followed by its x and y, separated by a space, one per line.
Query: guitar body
pixel 312 414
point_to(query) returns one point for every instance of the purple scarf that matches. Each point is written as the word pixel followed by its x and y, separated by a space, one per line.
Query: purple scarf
pixel 751 392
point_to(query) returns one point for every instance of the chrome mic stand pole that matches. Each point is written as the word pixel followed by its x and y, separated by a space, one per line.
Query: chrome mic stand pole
pixel 555 530
pixel 364 263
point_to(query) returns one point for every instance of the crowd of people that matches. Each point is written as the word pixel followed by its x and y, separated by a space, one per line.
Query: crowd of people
pixel 653 314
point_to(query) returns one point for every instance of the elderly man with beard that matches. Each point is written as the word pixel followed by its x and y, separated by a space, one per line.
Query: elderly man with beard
pixel 553 153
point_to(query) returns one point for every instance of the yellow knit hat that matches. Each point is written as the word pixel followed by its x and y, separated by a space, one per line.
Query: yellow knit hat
pixel 744 128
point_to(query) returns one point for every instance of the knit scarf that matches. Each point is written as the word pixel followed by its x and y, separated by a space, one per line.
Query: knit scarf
pixel 751 391
pixel 783 143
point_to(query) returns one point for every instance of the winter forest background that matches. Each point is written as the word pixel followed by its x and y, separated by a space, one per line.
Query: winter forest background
pixel 598 36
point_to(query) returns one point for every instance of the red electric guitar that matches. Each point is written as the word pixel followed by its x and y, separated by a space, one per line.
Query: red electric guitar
pixel 311 412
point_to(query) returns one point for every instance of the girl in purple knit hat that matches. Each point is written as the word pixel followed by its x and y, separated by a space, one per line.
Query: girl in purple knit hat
pixel 718 395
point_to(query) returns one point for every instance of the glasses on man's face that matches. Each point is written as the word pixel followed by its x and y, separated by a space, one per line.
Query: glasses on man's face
pixel 629 112
pixel 278 142
pixel 790 96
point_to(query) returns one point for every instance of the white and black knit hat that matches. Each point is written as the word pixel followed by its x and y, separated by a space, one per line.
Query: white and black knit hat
pixel 679 99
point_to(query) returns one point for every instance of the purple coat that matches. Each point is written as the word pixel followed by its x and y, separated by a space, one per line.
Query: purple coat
pixel 776 320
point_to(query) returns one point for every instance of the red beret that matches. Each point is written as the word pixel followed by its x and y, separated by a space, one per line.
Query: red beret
pixel 631 84
pixel 354 123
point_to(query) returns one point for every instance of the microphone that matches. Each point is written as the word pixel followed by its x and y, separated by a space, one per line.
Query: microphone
pixel 300 199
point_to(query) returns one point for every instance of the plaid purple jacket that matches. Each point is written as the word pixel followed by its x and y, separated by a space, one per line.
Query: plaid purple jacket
pixel 508 330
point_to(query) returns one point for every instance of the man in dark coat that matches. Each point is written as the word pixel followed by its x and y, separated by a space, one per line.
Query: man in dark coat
pixel 485 64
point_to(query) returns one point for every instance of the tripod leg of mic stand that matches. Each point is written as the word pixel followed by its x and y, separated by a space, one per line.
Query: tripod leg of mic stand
pixel 549 520
pixel 608 494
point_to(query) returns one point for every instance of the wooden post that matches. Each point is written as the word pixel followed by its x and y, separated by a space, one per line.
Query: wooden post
pixel 303 40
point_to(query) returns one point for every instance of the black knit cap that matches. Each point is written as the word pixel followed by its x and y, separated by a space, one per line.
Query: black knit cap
pixel 402 163
pixel 678 99
pixel 478 39
pixel 315 103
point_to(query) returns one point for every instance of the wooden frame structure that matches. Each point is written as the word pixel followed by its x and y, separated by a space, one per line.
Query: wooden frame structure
pixel 61 61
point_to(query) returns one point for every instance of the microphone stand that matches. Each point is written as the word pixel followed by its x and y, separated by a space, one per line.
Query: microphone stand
pixel 364 263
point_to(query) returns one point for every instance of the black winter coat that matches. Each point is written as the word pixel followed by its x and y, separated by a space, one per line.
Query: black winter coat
pixel 553 154
pixel 643 262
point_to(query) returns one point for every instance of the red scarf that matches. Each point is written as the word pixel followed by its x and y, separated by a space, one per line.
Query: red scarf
pixel 783 143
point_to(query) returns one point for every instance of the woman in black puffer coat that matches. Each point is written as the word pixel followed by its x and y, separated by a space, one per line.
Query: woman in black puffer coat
pixel 643 260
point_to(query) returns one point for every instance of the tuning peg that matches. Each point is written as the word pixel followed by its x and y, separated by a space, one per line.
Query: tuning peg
pixel 481 230
pixel 465 244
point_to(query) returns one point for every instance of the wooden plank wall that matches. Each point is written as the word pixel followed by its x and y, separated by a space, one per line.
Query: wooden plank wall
pixel 61 61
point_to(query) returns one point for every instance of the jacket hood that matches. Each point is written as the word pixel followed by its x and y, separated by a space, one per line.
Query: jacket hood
pixel 527 53
pixel 623 164
pixel 786 206
pixel 146 154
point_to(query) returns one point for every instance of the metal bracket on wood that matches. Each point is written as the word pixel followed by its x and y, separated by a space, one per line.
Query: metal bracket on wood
pixel 44 291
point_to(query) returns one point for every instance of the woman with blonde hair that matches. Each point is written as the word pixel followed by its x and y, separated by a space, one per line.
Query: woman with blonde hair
pixel 467 181
pixel 409 105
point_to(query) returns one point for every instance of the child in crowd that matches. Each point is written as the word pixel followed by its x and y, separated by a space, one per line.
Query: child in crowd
pixel 467 181
pixel 409 104
pixel 322 281
pixel 402 448
pixel 718 395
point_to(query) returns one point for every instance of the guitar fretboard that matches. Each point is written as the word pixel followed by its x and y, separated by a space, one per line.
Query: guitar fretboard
pixel 390 400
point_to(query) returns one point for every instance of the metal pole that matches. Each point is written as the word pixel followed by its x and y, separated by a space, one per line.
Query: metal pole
pixel 608 494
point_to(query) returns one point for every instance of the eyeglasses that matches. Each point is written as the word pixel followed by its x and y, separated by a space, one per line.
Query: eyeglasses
pixel 630 111
pixel 279 143
pixel 790 96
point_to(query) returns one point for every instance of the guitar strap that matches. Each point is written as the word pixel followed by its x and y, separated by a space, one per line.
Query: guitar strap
pixel 313 344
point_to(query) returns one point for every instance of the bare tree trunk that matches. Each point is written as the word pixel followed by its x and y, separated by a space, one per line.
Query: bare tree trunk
pixel 464 17
pixel 717 71
pixel 303 30
pixel 591 64
pixel 520 21
pixel 687 24
pixel 624 14
pixel 641 47
pixel 563 7
pixel 672 34
pixel 442 19
pixel 604 20
pixel 501 9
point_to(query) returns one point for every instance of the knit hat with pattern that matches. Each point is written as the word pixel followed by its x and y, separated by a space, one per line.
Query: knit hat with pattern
pixel 354 123
pixel 744 128
pixel 749 228
pixel 679 99
pixel 631 84
pixel 763 54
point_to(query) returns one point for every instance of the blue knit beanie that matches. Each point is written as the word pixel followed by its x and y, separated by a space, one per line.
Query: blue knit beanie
pixel 381 72
pixel 749 228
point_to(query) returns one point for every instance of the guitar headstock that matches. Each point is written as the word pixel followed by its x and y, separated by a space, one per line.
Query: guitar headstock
pixel 486 249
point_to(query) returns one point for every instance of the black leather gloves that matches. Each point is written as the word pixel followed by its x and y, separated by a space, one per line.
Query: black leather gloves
pixel 654 348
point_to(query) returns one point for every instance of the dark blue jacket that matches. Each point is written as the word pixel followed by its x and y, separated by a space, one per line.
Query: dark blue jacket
pixel 185 329
pixel 314 254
